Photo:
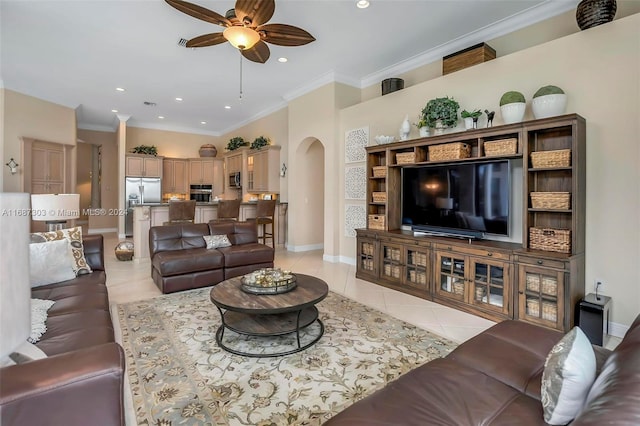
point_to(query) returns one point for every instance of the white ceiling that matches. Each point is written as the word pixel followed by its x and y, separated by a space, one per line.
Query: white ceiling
pixel 76 53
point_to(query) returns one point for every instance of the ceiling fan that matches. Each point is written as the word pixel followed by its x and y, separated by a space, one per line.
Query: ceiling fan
pixel 246 28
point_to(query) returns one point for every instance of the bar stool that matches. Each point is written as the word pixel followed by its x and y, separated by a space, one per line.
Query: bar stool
pixel 181 212
pixel 265 211
pixel 228 210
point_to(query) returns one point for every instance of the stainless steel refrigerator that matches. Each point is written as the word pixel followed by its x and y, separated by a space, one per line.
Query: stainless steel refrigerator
pixel 139 191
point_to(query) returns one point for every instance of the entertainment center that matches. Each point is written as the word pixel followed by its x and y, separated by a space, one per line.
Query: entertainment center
pixel 458 184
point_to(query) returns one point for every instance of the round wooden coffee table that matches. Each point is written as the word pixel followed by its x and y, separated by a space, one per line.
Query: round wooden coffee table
pixel 269 314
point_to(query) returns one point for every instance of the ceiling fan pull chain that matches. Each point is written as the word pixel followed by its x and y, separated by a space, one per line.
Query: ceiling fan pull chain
pixel 240 74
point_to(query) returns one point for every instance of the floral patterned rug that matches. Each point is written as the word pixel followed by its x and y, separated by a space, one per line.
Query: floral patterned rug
pixel 179 376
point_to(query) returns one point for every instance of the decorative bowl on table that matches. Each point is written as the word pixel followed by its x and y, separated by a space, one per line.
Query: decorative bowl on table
pixel 268 281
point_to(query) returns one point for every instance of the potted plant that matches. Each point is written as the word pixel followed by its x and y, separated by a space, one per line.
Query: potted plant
pixel 422 126
pixel 548 101
pixel 145 149
pixel 470 118
pixel 441 113
pixel 236 142
pixel 512 106
pixel 259 142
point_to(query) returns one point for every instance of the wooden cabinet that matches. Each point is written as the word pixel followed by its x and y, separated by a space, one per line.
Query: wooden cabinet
pixel 47 168
pixel 201 171
pixel 174 176
pixel 539 279
pixel 263 173
pixel 234 161
pixel 138 165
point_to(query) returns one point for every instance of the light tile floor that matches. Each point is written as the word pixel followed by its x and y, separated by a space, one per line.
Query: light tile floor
pixel 130 281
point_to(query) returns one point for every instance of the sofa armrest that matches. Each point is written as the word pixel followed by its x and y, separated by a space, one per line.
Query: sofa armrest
pixel 75 388
pixel 93 246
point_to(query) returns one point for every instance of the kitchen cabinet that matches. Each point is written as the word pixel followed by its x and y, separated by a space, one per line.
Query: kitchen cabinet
pixel 139 165
pixel 263 173
pixel 47 168
pixel 174 176
pixel 201 171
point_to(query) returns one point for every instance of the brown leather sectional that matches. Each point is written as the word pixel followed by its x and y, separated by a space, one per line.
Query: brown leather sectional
pixel 495 379
pixel 180 260
pixel 81 381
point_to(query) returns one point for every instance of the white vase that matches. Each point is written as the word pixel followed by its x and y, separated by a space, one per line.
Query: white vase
pixel 424 131
pixel 549 105
pixel 468 123
pixel 439 129
pixel 405 129
pixel 513 113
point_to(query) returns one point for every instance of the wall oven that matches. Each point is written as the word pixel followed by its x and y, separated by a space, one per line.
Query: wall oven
pixel 234 180
pixel 201 193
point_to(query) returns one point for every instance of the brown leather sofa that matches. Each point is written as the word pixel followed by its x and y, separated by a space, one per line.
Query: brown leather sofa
pixel 180 260
pixel 81 380
pixel 495 379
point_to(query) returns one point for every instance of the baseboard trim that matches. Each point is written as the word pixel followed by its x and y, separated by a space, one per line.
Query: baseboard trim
pixel 618 330
pixel 309 247
pixel 102 230
pixel 339 259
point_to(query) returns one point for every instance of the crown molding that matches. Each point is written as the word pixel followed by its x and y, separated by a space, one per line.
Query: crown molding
pixel 323 80
pixel 97 127
pixel 523 19
pixel 170 128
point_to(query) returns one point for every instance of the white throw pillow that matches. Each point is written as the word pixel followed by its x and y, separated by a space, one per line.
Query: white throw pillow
pixel 74 236
pixel 50 262
pixel 215 241
pixel 39 308
pixel 569 372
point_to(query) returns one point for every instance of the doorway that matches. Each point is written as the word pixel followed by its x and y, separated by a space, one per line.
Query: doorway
pixel 308 203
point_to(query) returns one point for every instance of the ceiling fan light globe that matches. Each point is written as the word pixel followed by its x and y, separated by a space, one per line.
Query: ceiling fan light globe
pixel 241 37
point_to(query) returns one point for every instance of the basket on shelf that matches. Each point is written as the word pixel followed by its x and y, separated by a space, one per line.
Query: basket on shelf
pixel 481 292
pixel 549 309
pixel 391 270
pixel 554 158
pixel 458 287
pixel 379 171
pixel 550 200
pixel 449 151
pixel 376 221
pixel 549 284
pixel 405 157
pixel 501 147
pixel 549 239
pixel 367 249
pixel 379 197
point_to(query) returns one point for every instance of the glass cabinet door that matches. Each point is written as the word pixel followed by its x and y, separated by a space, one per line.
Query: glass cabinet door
pixel 450 275
pixel 366 256
pixel 490 286
pixel 541 295
pixel 416 270
pixel 391 262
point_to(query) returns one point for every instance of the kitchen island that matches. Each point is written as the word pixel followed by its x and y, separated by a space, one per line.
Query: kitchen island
pixel 156 214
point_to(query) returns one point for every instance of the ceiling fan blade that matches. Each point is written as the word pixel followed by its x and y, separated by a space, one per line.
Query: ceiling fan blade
pixel 257 11
pixel 206 40
pixel 285 35
pixel 199 12
pixel 258 53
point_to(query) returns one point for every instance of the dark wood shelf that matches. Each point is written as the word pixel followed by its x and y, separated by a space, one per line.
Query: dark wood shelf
pixel 550 210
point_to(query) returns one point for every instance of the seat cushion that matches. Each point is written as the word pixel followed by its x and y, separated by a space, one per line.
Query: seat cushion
pixel 76 330
pixel 441 392
pixel 178 262
pixel 246 254
pixel 73 287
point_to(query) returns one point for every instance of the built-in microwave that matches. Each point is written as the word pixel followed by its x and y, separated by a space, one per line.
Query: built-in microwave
pixel 234 180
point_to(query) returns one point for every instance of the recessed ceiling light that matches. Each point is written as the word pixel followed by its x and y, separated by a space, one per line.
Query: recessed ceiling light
pixel 120 89
pixel 161 117
pixel 179 99
pixel 203 122
pixel 283 59
pixel 227 107
pixel 362 4
pixel 114 110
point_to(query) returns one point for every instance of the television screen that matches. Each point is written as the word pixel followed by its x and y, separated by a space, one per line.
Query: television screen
pixel 468 197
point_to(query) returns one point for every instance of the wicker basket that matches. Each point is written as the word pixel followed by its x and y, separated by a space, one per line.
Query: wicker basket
pixel 549 286
pixel 379 197
pixel 392 253
pixel 379 171
pixel 501 147
pixel 367 249
pixel 548 159
pixel 405 157
pixel 458 288
pixel 376 222
pixel 481 292
pixel 449 151
pixel 550 200
pixel 421 278
pixel 533 282
pixel 593 13
pixel 548 239
pixel 549 310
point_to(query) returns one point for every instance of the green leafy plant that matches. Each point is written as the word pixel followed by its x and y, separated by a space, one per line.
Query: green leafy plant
pixel 422 122
pixel 473 114
pixel 548 90
pixel 236 142
pixel 511 97
pixel 443 109
pixel 145 149
pixel 259 142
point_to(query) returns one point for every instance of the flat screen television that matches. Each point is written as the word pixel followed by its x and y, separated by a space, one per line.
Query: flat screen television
pixel 468 199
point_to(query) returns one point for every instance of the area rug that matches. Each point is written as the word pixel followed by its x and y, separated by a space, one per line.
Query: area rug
pixel 179 376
